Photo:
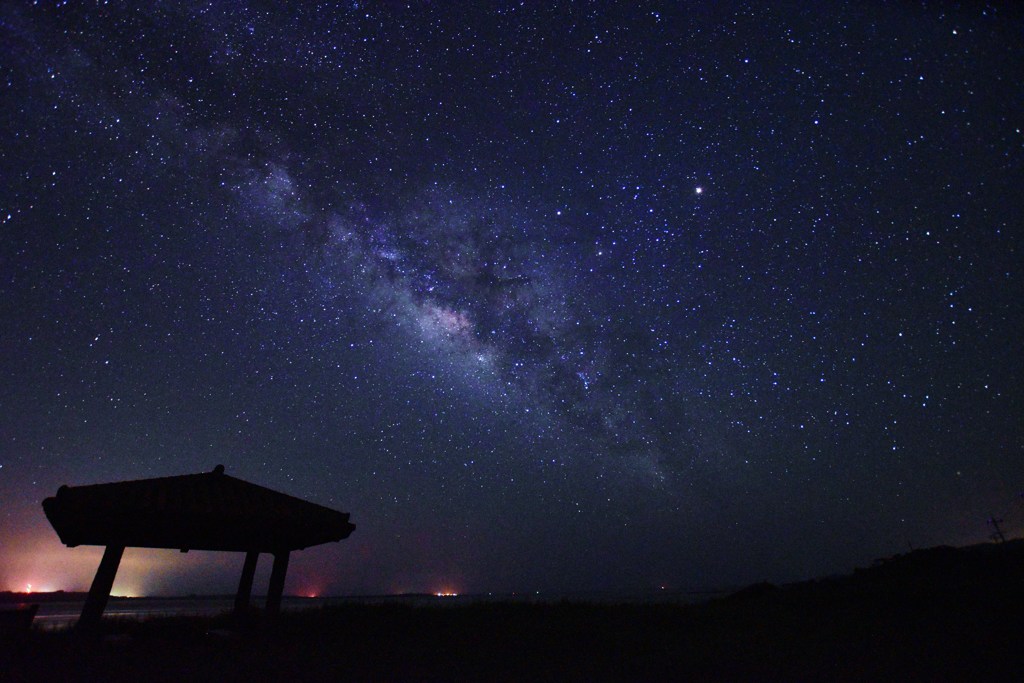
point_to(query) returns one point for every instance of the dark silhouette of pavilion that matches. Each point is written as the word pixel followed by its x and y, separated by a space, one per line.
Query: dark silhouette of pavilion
pixel 208 511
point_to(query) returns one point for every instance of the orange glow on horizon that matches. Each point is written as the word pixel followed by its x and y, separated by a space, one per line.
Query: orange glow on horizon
pixel 309 589
pixel 42 565
pixel 34 587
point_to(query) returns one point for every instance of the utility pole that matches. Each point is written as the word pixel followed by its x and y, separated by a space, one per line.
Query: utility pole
pixel 998 534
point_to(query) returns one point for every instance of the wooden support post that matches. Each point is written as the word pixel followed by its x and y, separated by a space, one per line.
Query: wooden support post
pixel 277 583
pixel 245 583
pixel 96 601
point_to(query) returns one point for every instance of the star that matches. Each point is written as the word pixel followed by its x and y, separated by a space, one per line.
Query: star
pixel 387 256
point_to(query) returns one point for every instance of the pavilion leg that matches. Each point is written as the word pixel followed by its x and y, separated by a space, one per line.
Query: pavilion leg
pixel 277 583
pixel 245 584
pixel 99 593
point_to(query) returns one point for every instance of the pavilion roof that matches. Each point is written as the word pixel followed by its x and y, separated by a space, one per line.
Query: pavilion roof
pixel 208 511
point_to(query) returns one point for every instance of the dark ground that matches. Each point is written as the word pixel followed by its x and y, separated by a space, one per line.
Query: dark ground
pixel 941 614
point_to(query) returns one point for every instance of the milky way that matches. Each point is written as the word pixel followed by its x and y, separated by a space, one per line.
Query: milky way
pixel 556 297
pixel 483 290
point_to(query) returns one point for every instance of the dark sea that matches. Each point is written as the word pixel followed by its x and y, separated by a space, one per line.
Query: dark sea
pixel 53 615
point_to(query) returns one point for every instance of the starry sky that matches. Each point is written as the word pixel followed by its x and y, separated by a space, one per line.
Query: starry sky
pixel 554 297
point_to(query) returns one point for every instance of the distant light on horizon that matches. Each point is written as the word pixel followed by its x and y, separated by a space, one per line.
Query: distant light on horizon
pixel 447 594
pixel 39 588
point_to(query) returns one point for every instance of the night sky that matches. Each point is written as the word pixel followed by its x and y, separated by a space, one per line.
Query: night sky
pixel 586 297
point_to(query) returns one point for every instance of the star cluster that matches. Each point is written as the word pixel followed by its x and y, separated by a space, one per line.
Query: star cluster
pixel 549 296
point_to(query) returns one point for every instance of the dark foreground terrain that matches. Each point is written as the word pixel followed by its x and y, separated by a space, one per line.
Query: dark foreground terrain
pixel 941 614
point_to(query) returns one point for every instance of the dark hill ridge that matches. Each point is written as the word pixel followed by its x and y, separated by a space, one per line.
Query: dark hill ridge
pixel 970 570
